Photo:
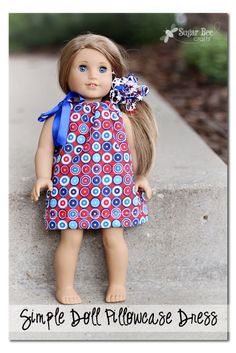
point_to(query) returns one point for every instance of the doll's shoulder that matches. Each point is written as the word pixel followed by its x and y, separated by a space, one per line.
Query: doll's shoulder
pixel 48 123
pixel 126 121
pixel 128 128
pixel 46 136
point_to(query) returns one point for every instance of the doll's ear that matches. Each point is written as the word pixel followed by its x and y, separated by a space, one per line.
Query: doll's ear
pixel 113 75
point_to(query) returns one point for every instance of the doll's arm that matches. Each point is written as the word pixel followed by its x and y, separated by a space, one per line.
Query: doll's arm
pixel 44 160
pixel 140 180
pixel 44 154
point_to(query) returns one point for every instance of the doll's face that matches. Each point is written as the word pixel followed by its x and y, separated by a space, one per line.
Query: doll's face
pixel 90 75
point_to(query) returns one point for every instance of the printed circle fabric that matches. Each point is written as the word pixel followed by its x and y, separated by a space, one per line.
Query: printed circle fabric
pixel 92 175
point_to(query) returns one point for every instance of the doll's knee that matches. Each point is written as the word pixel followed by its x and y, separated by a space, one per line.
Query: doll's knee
pixel 112 237
pixel 72 237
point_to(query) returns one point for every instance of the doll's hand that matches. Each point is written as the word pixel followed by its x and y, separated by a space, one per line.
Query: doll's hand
pixel 41 183
pixel 142 182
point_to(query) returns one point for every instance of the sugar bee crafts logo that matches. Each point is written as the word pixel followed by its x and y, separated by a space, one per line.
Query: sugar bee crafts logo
pixel 169 33
pixel 189 35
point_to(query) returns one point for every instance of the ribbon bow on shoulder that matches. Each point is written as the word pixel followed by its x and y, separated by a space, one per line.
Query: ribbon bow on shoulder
pixel 62 118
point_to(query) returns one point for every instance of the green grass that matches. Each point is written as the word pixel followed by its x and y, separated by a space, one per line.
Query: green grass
pixel 209 57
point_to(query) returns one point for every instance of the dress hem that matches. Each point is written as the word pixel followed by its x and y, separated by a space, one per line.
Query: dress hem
pixel 131 226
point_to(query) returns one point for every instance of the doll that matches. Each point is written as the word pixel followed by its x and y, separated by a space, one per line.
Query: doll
pixel 94 153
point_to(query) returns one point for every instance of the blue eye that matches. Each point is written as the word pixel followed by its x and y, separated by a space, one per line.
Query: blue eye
pixel 102 69
pixel 82 68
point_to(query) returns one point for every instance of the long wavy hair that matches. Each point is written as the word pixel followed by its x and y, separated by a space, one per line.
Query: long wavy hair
pixel 144 127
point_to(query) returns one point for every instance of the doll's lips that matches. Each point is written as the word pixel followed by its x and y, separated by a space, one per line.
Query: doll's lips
pixel 92 85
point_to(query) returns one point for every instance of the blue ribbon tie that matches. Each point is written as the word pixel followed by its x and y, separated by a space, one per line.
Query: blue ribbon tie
pixel 62 118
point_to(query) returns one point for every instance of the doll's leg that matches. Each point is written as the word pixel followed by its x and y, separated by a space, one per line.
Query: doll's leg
pixel 117 262
pixel 65 266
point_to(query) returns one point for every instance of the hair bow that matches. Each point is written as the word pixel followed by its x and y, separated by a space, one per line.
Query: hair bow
pixel 126 90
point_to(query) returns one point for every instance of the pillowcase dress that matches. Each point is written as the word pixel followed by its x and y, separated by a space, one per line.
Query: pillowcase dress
pixel 92 174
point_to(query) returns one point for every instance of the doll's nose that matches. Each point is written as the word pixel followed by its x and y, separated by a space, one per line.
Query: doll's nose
pixel 92 74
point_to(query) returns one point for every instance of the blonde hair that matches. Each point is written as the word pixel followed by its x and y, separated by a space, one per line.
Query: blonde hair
pixel 143 122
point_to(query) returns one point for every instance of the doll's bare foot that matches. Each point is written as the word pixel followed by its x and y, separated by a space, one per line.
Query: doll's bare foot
pixel 115 293
pixel 67 296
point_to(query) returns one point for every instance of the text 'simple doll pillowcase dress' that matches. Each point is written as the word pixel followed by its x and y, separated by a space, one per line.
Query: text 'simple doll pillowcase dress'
pixel 92 175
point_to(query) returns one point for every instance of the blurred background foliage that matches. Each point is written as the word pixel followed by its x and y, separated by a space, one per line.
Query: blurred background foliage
pixel 30 32
pixel 209 57
pixel 34 32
